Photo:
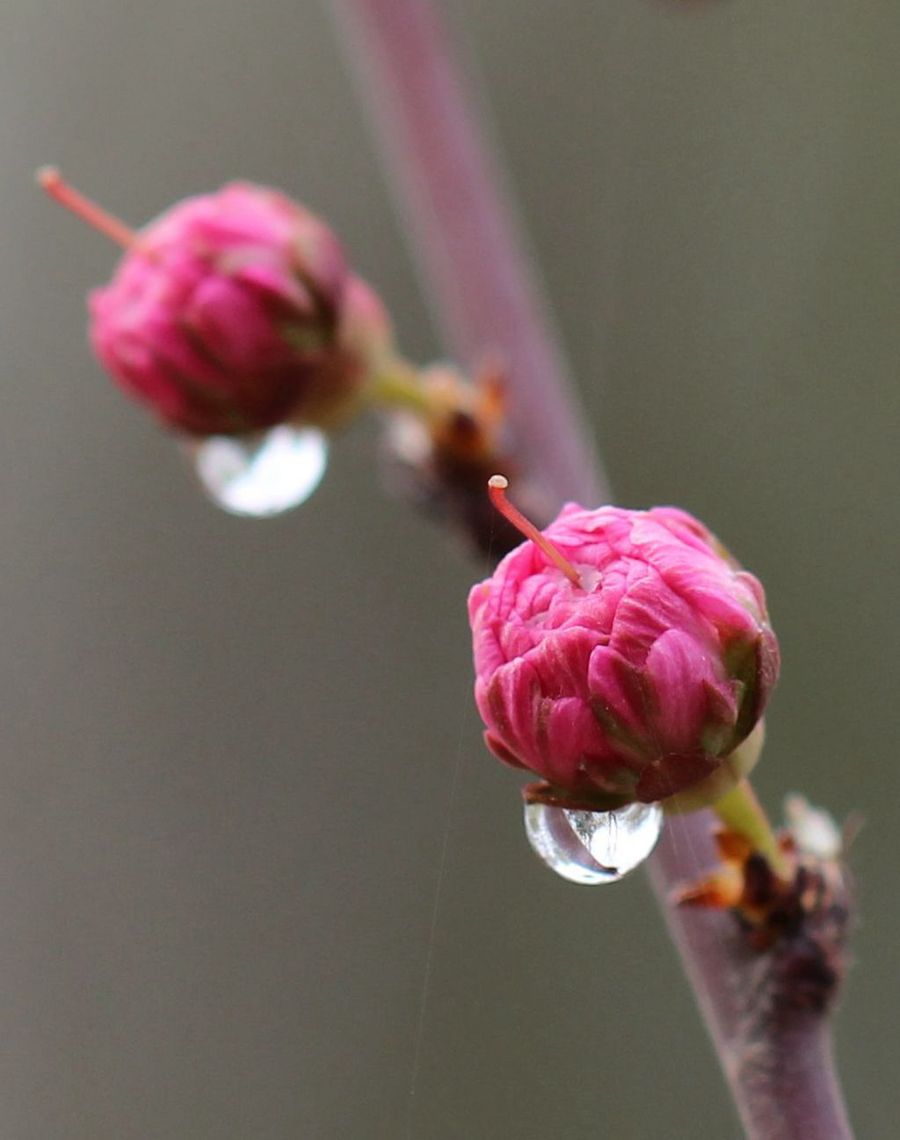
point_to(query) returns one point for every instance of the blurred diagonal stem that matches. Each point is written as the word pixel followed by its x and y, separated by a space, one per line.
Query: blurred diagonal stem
pixel 776 1056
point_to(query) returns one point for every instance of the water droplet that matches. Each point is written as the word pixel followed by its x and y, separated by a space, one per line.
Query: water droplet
pixel 262 474
pixel 593 847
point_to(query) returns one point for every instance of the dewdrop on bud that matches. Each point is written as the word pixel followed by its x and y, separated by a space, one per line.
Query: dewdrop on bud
pixel 234 318
pixel 593 848
pixel 623 657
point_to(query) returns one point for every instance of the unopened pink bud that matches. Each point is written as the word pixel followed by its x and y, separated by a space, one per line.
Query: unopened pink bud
pixel 637 679
pixel 233 312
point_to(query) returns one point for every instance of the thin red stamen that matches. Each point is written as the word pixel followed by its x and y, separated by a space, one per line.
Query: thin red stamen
pixel 497 485
pixel 52 182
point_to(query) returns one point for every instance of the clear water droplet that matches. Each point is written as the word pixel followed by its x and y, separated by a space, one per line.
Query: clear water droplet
pixel 593 847
pixel 262 474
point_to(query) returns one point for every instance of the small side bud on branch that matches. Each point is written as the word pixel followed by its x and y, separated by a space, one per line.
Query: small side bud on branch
pixel 800 911
pixel 441 453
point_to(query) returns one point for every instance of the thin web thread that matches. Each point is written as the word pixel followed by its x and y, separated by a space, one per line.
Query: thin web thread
pixel 432 935
pixel 698 866
pixel 419 1039
pixel 691 848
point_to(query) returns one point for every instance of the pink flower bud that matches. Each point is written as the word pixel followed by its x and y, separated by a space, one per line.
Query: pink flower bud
pixel 631 669
pixel 233 312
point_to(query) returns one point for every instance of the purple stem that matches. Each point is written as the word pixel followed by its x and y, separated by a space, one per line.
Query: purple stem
pixel 485 297
pixel 777 1058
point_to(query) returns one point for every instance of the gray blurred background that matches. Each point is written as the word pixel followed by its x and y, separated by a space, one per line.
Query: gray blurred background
pixel 229 746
